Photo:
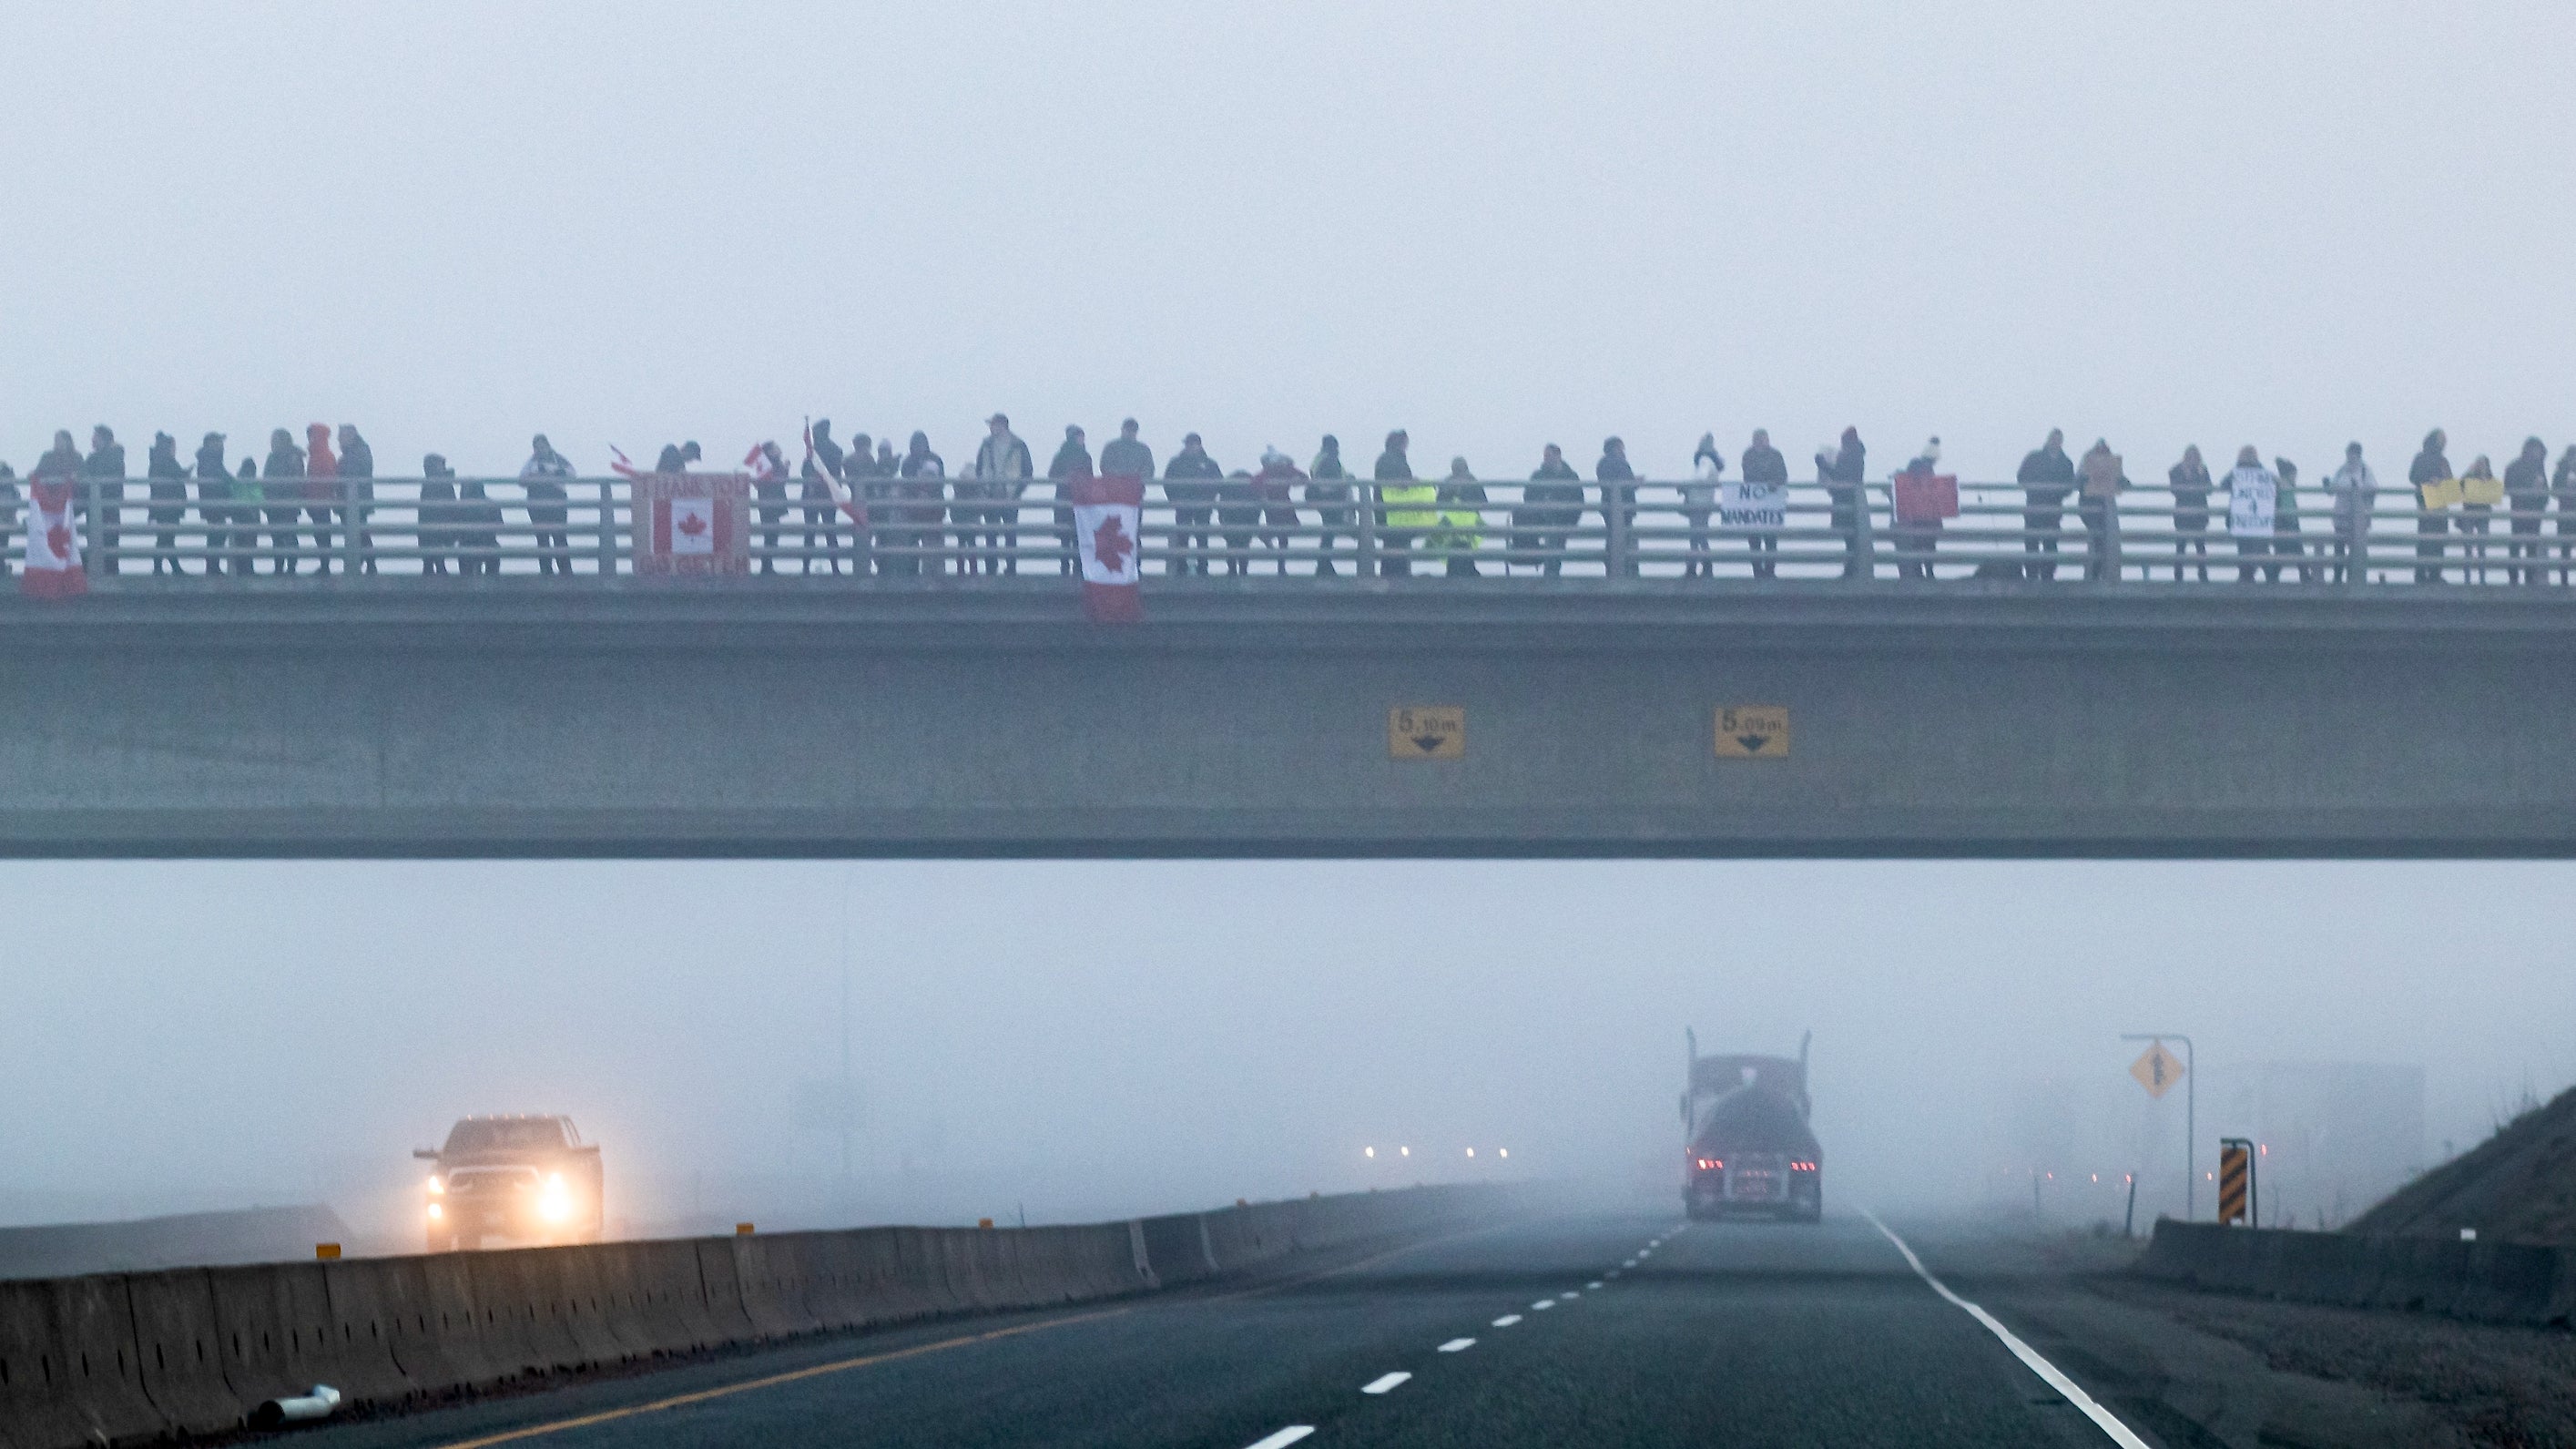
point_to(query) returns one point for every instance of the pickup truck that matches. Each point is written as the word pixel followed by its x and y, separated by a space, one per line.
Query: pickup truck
pixel 529 1179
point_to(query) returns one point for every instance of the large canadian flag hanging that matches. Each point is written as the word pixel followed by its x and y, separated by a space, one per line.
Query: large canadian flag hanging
pixel 1107 514
pixel 691 524
pixel 53 545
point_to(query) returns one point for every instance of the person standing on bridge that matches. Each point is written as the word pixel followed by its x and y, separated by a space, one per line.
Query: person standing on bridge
pixel 1277 484
pixel 214 509
pixel 2286 524
pixel 358 493
pixel 282 488
pixel 925 493
pixel 1190 483
pixel 435 517
pixel 1917 539
pixel 2189 482
pixel 479 546
pixel 321 489
pixel 1000 478
pixel 169 502
pixel 1551 508
pixel 1462 521
pixel 2104 478
pixel 541 480
pixel 1763 465
pixel 2356 493
pixel 102 475
pixel 768 469
pixel 2526 490
pixel 1329 489
pixel 2253 493
pixel 248 494
pixel 2430 474
pixel 1699 500
pixel 1851 502
pixel 1124 456
pixel 1404 507
pixel 824 461
pixel 1073 460
pixel 2480 492
pixel 2562 484
pixel 1619 490
pixel 676 457
pixel 9 501
pixel 2047 475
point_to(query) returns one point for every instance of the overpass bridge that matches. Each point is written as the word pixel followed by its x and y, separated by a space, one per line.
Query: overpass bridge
pixel 1288 717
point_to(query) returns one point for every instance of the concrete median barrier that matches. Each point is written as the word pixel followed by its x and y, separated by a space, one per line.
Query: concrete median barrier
pixel 117 1359
pixel 71 1375
pixel 2491 1282
pixel 175 1346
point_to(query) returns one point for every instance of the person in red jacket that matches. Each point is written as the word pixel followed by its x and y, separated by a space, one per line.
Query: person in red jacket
pixel 321 487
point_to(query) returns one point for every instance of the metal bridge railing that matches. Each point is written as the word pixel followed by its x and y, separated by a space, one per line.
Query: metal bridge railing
pixel 383 529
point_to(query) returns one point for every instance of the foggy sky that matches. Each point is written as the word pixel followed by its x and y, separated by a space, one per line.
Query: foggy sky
pixel 1495 225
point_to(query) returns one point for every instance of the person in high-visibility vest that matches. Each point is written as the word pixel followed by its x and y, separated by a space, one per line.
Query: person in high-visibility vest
pixel 1460 527
pixel 1405 507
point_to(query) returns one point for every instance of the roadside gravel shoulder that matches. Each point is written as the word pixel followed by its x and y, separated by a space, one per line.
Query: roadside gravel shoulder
pixel 2490 1384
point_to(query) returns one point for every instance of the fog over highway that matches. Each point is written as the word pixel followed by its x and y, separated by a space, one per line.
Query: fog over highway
pixel 1099 1039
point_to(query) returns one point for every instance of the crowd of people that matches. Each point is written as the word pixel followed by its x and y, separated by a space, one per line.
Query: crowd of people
pixel 314 502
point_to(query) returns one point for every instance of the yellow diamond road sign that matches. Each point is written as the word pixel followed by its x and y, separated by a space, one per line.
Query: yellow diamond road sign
pixel 1426 732
pixel 1753 732
pixel 2157 1071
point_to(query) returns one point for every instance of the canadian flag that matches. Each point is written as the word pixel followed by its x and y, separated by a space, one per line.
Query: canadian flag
pixel 53 546
pixel 683 526
pixel 1107 513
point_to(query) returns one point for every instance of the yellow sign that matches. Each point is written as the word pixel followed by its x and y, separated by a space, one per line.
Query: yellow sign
pixel 1753 732
pixel 1426 732
pixel 2157 1071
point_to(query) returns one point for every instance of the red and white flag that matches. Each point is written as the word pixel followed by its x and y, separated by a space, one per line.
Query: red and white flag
pixel 851 504
pixel 53 546
pixel 1107 517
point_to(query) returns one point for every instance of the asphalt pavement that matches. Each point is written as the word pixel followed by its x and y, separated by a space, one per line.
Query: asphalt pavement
pixel 1596 1330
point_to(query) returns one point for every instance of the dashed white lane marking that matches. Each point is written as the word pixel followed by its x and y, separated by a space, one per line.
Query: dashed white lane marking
pixel 1384 1383
pixel 1284 1437
pixel 2103 1419
pixel 1594 1284
pixel 1544 1304
pixel 1507 1320
pixel 1631 1263
pixel 1458 1345
pixel 1569 1293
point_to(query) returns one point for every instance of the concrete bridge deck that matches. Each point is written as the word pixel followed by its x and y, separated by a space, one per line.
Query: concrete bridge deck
pixel 770 719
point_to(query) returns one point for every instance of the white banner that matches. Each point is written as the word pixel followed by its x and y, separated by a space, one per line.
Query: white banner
pixel 1753 505
pixel 2252 497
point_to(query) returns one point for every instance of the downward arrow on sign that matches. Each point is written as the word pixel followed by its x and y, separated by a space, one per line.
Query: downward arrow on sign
pixel 1427 743
pixel 1753 743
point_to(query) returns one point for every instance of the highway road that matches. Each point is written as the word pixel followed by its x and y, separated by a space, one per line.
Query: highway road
pixel 1595 1330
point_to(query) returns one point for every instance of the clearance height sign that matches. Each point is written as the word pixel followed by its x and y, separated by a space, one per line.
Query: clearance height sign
pixel 1439 732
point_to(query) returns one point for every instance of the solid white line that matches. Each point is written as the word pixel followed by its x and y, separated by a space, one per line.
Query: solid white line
pixel 2073 1392
pixel 1507 1320
pixel 1383 1383
pixel 1458 1345
pixel 1284 1437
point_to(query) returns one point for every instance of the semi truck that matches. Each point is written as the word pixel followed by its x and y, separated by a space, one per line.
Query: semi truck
pixel 1747 1147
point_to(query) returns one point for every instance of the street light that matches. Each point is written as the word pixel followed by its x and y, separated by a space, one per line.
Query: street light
pixel 2190 1103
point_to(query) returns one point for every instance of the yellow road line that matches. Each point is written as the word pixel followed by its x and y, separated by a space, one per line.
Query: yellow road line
pixel 679 1401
